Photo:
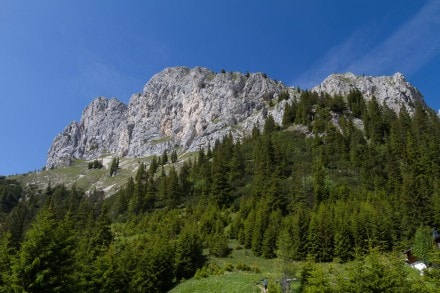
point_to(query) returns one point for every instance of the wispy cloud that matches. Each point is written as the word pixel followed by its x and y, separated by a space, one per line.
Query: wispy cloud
pixel 408 49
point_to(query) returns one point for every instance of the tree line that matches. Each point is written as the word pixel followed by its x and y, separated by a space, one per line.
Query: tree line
pixel 362 177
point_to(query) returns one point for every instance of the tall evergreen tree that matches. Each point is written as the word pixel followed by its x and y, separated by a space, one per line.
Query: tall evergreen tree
pixel 164 157
pixel 7 255
pixel 188 254
pixel 45 259
pixel 268 249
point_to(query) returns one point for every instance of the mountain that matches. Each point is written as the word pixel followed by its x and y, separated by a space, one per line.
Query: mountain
pixel 394 91
pixel 187 109
pixel 179 107
pixel 345 181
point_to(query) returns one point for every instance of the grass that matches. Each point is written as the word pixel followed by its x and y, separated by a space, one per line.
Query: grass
pixel 80 176
pixel 160 140
pixel 240 272
pixel 228 282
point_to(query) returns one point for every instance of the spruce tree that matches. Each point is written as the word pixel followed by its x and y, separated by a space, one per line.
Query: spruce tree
pixel 174 156
pixel 188 254
pixel 7 256
pixel 164 158
pixel 268 249
pixel 114 166
pixel 45 258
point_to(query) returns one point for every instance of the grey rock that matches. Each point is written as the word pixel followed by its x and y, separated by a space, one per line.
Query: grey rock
pixel 179 107
pixel 97 133
pixel 188 109
pixel 394 91
pixel 64 146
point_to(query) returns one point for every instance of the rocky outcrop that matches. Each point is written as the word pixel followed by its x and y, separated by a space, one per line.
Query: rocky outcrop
pixel 395 91
pixel 192 107
pixel 185 109
pixel 96 134
pixel 179 107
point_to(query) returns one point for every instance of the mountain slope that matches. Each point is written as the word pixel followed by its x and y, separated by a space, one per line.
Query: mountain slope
pixel 394 91
pixel 187 109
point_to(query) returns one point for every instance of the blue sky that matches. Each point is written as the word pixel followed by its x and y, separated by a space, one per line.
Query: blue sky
pixel 58 55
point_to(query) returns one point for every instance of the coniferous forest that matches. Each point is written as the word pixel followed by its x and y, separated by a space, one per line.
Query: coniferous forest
pixel 342 180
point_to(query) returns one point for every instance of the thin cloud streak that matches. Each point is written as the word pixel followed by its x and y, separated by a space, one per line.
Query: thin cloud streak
pixel 335 59
pixel 408 49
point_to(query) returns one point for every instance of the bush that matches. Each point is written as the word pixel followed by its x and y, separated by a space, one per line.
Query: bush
pixel 95 165
pixel 218 246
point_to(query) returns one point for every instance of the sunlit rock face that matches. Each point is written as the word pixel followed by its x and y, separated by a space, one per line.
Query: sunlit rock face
pixel 179 108
pixel 97 133
pixel 190 108
pixel 394 91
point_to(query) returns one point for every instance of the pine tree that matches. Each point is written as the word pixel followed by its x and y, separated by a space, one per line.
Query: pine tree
pixel 173 188
pixel 6 259
pixel 343 243
pixel 269 125
pixel 289 114
pixel 262 216
pixel 164 158
pixel 218 245
pixel 137 203
pixel 356 103
pixel 124 197
pixel 220 188
pixel 313 279
pixel 114 166
pixel 423 243
pixel 46 256
pixel 373 274
pixel 249 226
pixel 268 249
pixel 174 156
pixel 343 246
pixel 153 165
pixel 321 234
pixel 188 254
pixel 153 271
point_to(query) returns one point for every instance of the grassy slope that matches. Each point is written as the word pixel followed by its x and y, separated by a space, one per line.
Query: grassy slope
pixel 79 175
pixel 237 280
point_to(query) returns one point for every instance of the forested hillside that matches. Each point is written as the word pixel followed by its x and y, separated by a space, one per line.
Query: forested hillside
pixel 340 180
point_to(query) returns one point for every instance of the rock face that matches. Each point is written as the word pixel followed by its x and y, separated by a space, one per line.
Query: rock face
pixel 191 107
pixel 395 91
pixel 97 133
pixel 187 109
pixel 179 107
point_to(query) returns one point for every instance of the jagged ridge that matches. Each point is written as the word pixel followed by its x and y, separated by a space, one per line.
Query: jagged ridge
pixel 187 109
pixel 179 107
pixel 394 91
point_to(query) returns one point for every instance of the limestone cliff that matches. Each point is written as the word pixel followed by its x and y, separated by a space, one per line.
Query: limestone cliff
pixel 179 107
pixel 185 109
pixel 395 91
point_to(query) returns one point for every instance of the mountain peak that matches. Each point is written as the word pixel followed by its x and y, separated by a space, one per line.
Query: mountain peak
pixel 182 107
pixel 190 108
pixel 395 91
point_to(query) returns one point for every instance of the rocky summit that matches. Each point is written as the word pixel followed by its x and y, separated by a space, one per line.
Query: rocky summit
pixel 187 109
pixel 394 91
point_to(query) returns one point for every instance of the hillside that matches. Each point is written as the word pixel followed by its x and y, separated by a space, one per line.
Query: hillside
pixel 329 193
pixel 187 109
